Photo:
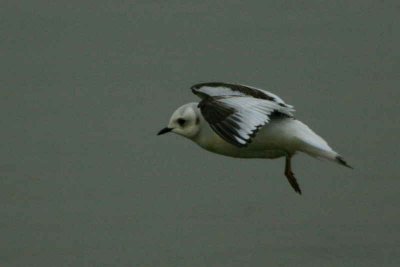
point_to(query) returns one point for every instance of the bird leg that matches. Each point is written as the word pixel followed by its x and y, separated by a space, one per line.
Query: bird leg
pixel 290 175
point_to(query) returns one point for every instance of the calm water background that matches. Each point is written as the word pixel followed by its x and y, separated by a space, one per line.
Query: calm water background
pixel 85 86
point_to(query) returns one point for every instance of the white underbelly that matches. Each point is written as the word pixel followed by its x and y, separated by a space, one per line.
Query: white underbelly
pixel 246 152
pixel 272 141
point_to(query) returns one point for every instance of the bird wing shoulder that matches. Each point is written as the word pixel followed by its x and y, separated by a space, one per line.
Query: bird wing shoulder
pixel 237 112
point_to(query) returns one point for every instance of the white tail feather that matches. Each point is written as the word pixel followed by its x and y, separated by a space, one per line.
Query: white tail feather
pixel 312 144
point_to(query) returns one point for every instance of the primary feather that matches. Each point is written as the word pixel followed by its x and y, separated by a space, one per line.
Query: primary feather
pixel 236 112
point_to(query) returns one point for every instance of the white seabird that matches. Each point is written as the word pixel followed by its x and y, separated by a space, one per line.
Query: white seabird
pixel 246 122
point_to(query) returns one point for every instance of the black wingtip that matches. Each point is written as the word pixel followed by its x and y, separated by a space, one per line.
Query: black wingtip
pixel 341 161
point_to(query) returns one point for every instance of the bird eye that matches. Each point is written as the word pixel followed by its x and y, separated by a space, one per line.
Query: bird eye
pixel 181 121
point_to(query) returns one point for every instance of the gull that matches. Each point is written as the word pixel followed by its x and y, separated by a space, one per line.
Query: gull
pixel 246 122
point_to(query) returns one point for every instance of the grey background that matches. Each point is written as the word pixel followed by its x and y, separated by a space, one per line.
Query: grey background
pixel 85 86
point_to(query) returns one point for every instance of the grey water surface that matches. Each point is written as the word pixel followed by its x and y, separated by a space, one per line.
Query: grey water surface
pixel 86 85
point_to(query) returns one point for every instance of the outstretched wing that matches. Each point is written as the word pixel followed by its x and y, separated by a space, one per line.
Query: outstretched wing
pixel 237 112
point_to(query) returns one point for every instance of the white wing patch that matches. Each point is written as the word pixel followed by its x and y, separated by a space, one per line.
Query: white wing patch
pixel 237 112
pixel 209 91
pixel 277 98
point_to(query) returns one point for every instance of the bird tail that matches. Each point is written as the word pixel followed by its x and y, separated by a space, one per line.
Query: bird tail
pixel 315 146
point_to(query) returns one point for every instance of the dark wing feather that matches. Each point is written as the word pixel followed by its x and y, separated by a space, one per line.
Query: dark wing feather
pixel 217 114
pixel 237 112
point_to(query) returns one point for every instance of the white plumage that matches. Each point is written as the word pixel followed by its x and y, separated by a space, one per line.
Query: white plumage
pixel 245 122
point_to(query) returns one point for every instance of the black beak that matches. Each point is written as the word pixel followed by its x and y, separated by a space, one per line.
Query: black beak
pixel 164 131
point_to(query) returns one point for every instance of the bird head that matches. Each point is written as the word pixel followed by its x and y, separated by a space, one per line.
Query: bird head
pixel 184 121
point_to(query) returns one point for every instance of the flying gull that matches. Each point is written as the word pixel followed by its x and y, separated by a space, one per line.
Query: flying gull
pixel 245 122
